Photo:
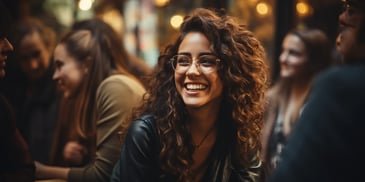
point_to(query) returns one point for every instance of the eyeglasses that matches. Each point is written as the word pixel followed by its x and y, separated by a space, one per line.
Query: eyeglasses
pixel 205 63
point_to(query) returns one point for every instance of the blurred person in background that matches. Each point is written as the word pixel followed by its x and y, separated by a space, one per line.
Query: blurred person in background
pixel 16 163
pixel 98 96
pixel 36 96
pixel 305 53
pixel 326 144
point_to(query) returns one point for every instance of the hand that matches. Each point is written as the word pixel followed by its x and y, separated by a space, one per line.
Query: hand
pixel 49 172
pixel 74 153
pixel 39 170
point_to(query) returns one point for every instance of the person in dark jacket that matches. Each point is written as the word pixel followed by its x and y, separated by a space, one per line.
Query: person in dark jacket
pixel 16 163
pixel 326 143
pixel 202 114
pixel 30 88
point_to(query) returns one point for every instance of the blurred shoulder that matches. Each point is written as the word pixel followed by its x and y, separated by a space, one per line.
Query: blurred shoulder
pixel 143 126
pixel 344 78
pixel 119 81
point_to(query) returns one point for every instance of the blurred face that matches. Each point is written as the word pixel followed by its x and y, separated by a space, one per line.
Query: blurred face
pixel 34 57
pixel 350 20
pixel 293 58
pixel 68 72
pixel 5 47
pixel 198 84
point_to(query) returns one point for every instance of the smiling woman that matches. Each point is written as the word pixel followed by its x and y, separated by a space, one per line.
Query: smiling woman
pixel 201 120
pixel 304 54
pixel 68 71
pixel 98 96
pixel 198 83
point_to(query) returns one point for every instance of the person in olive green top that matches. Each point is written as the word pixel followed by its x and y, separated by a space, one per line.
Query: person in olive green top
pixel 98 96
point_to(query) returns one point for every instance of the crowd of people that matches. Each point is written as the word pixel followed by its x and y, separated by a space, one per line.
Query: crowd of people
pixel 80 107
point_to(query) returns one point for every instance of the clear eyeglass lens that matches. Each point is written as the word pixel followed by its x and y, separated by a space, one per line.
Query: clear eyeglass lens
pixel 205 63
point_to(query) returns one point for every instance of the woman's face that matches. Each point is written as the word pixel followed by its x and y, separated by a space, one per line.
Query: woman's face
pixel 293 58
pixel 198 86
pixel 33 56
pixel 68 72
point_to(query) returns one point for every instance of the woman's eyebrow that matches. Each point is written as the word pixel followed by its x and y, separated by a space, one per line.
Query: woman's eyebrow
pixel 200 54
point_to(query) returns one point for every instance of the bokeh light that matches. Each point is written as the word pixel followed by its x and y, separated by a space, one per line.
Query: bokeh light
pixel 176 21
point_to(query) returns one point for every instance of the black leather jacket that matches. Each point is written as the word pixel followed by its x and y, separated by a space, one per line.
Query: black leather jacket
pixel 140 158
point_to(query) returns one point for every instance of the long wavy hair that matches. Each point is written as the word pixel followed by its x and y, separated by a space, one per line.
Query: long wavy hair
pixel 244 75
pixel 132 63
pixel 97 48
pixel 318 50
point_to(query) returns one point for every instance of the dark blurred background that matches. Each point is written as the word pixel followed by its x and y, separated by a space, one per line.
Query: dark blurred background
pixel 148 25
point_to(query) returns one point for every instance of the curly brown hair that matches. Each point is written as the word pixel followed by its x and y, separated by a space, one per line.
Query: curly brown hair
pixel 244 75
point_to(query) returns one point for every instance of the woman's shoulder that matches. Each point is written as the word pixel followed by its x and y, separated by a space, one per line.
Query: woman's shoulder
pixel 122 80
pixel 143 132
pixel 121 85
pixel 144 124
pixel 343 79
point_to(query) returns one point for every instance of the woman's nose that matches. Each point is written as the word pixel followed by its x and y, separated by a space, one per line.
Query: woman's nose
pixel 55 75
pixel 283 57
pixel 193 69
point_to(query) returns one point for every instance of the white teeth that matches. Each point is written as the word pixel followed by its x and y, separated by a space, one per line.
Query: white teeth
pixel 195 86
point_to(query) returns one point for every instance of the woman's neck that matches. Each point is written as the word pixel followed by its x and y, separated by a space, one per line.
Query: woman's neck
pixel 299 88
pixel 204 118
pixel 203 132
pixel 297 96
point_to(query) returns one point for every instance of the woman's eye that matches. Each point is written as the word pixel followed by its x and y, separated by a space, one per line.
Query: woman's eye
pixel 183 61
pixel 207 61
pixel 58 64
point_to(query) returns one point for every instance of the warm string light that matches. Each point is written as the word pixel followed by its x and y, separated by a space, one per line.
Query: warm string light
pixel 176 20
pixel 303 9
pixel 85 5
pixel 263 8
pixel 161 3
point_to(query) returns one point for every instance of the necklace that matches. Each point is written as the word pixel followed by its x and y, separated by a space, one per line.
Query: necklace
pixel 197 146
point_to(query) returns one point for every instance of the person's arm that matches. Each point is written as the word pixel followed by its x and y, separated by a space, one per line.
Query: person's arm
pixel 115 99
pixel 50 172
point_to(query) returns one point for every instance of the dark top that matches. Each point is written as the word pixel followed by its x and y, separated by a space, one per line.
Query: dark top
pixel 326 144
pixel 16 163
pixel 140 157
pixel 35 105
pixel 38 118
